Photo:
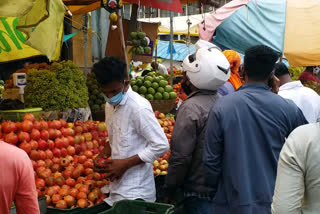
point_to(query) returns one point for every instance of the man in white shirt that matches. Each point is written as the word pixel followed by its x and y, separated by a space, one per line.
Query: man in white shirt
pixel 159 67
pixel 305 98
pixel 135 136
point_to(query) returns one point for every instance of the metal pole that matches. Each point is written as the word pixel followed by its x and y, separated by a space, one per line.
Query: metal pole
pixel 171 47
pixel 85 21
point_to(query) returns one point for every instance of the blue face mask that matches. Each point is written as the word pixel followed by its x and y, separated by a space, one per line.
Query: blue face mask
pixel 115 100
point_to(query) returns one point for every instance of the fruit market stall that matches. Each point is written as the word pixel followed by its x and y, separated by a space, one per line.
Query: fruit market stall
pixel 59 90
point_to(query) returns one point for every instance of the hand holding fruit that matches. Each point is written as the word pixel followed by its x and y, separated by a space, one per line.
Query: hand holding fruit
pixel 116 168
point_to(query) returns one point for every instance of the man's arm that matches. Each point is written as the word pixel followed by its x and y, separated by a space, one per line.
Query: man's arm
pixel 26 200
pixel 214 148
pixel 183 143
pixel 289 189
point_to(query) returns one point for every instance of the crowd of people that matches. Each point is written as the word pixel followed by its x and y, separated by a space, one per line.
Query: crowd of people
pixel 240 145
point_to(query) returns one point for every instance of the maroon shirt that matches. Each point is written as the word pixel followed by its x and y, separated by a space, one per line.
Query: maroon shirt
pixel 306 76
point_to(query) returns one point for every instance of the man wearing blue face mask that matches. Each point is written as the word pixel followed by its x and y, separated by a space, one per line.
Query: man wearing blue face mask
pixel 136 139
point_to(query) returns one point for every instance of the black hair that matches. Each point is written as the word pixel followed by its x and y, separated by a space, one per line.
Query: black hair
pixel 110 69
pixel 259 62
pixel 281 69
pixel 145 72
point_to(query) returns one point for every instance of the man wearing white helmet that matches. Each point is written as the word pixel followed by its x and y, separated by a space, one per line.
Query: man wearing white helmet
pixel 205 71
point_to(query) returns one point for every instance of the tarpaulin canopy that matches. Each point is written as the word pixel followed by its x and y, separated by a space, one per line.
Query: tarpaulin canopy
pixel 288 26
pixel 30 32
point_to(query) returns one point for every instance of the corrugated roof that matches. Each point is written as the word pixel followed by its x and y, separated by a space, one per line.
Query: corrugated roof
pixel 181 50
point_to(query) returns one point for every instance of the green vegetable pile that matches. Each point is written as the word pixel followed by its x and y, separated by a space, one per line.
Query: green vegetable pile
pixel 96 98
pixel 154 86
pixel 295 72
pixel 62 88
pixel 140 43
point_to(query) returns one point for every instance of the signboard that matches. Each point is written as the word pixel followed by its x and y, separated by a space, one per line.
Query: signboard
pixel 12 41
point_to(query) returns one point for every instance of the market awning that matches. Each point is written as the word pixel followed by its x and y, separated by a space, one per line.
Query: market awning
pixel 181 50
pixel 82 6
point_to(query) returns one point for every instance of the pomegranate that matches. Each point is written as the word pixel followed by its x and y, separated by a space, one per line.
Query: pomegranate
pixel 90 145
pixel 82 203
pixel 24 136
pixel 59 143
pixel 88 163
pixel 56 152
pixel 78 149
pixel 88 136
pixel 76 173
pixel 50 191
pixel 42 145
pixel 49 163
pixel 42 155
pixel 50 144
pixel 59 180
pixel 96 176
pixel 44 134
pixel 58 133
pixel 8 127
pixel 26 147
pixel 34 155
pixel 49 154
pixel 64 132
pixel 71 150
pixel 95 135
pixel 61 204
pixel 11 138
pixel 67 173
pixel 92 196
pixel 44 125
pixel 82 159
pixel 52 133
pixel 40 183
pixel 35 134
pixel 55 168
pixel 65 142
pixel 80 180
pixel 56 160
pixel 74 192
pixel 81 195
pixel 78 129
pixel 70 200
pixel 77 139
pixel 64 152
pixel 64 123
pixel 71 140
pixel 26 126
pixel 64 162
pixel 84 188
pixel 50 182
pixel 71 182
pixel 88 171
pixel 64 192
pixel 29 116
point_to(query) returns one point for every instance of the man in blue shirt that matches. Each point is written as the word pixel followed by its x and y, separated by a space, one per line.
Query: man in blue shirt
pixel 245 133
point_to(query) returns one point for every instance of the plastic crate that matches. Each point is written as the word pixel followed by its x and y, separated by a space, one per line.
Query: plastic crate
pixel 90 210
pixel 17 115
pixel 139 207
pixel 76 210
pixel 42 206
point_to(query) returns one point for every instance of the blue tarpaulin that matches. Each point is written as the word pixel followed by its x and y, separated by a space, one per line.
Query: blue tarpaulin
pixel 181 50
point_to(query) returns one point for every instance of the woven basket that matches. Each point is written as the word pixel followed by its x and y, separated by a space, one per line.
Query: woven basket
pixel 163 106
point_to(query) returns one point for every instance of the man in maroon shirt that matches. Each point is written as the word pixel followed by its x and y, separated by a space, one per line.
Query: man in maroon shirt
pixel 310 74
pixel 17 181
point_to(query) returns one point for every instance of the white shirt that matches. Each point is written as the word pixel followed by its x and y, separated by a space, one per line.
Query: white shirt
pixel 298 177
pixel 305 98
pixel 162 69
pixel 133 129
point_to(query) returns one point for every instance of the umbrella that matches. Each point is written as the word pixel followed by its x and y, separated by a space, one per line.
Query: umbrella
pixel 172 5
pixel 290 27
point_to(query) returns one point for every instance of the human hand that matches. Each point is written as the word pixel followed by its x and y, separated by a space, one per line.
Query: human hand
pixel 275 85
pixel 116 168
pixel 100 163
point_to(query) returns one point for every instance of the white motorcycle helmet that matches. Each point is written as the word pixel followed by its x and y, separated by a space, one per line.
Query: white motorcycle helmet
pixel 207 69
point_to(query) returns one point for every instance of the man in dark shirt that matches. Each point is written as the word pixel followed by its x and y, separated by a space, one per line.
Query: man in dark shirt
pixel 245 133
pixel 205 71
